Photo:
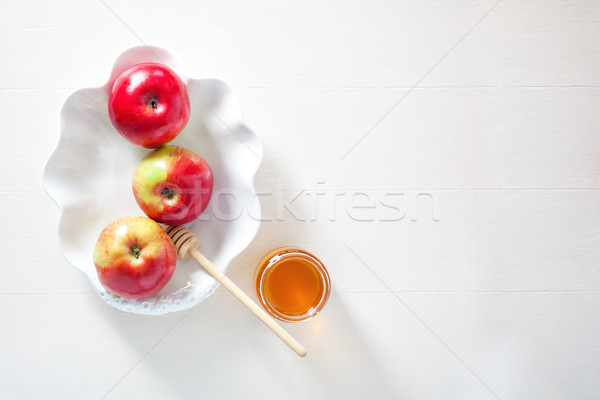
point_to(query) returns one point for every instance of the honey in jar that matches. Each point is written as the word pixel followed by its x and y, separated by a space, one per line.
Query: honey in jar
pixel 292 284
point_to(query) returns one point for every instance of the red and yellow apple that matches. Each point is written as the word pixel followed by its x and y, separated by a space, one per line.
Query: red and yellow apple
pixel 134 257
pixel 149 105
pixel 173 185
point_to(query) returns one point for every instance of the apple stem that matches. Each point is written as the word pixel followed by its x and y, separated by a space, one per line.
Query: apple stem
pixel 153 102
pixel 135 251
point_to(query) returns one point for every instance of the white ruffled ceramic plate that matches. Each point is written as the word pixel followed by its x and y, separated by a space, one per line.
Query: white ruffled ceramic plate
pixel 89 177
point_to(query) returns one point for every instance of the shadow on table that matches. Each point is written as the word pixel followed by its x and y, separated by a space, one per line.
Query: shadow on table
pixel 339 362
pixel 222 351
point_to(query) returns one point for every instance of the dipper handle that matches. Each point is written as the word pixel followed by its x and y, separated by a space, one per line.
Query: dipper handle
pixel 187 246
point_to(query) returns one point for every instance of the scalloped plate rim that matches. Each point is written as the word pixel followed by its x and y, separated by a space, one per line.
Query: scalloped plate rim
pixel 215 284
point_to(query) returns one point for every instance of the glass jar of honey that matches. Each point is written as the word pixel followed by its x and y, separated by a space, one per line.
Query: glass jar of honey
pixel 292 284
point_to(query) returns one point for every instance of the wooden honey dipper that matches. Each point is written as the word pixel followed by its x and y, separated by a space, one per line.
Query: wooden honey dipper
pixel 187 246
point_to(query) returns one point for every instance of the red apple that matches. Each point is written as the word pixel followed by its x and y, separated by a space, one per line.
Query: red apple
pixel 134 257
pixel 173 185
pixel 149 105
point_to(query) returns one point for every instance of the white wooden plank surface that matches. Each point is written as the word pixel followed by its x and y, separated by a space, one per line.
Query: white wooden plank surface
pixel 545 337
pixel 483 282
pixel 451 138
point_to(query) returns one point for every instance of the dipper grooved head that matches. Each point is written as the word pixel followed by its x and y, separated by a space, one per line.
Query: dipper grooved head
pixel 183 239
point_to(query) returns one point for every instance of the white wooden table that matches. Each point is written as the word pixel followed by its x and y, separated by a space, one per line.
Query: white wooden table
pixel 456 149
